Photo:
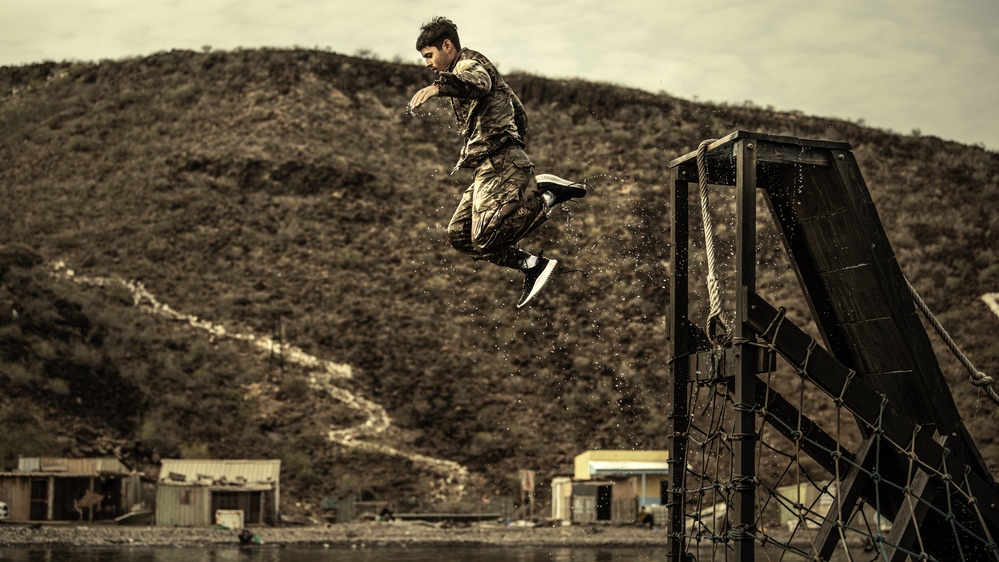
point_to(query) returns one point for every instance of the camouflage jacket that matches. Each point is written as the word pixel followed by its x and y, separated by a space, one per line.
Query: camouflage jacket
pixel 488 111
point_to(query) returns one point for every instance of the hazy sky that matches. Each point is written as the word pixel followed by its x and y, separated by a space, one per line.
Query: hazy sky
pixel 931 65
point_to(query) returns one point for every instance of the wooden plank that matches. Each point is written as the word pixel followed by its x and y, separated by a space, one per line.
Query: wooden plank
pixel 765 137
pixel 939 408
pixel 829 227
pixel 784 204
pixel 709 366
pixel 855 295
pixel 744 394
pixel 842 383
pixel 877 347
pixel 902 536
pixel 904 389
pixel 828 373
pixel 834 243
pixel 788 420
pixel 853 482
pixel 720 170
pixel 769 152
pixel 807 192
pixel 680 349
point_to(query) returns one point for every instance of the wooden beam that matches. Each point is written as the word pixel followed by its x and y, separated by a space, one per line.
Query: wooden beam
pixel 910 518
pixel 846 387
pixel 813 440
pixel 764 138
pixel 744 436
pixel 785 154
pixel 680 349
pixel 851 489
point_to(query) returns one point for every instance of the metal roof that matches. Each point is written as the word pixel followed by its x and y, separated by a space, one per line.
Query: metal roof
pixel 209 472
pixel 600 468
pixel 72 467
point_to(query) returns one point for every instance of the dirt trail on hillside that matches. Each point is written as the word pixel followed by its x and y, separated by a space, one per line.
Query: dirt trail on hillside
pixel 992 300
pixel 324 376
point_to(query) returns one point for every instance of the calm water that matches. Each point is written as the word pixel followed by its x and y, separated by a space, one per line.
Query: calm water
pixel 380 554
pixel 318 554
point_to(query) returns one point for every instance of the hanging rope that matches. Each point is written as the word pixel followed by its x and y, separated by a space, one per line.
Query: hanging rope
pixel 714 295
pixel 978 378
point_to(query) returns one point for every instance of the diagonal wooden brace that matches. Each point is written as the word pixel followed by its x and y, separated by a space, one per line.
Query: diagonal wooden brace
pixel 840 382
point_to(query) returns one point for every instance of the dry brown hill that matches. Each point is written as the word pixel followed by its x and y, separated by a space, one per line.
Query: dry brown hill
pixel 287 195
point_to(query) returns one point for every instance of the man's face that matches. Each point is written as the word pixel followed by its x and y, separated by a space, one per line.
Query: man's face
pixel 439 60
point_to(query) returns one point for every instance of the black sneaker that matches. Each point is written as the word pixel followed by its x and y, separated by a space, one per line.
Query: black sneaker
pixel 562 189
pixel 535 279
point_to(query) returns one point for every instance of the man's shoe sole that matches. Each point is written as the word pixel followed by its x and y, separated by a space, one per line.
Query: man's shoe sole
pixel 559 188
pixel 552 178
pixel 540 284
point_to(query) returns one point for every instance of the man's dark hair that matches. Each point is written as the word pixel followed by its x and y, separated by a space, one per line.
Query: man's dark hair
pixel 434 32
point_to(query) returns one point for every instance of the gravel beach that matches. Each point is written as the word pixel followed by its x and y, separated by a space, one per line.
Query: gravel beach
pixel 354 534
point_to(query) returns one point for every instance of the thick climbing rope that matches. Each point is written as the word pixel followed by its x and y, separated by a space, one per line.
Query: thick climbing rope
pixel 978 378
pixel 714 294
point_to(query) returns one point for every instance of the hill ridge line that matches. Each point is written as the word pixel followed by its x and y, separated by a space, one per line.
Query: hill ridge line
pixel 377 421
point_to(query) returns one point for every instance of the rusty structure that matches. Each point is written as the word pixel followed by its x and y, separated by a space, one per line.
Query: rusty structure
pixel 898 469
pixel 70 489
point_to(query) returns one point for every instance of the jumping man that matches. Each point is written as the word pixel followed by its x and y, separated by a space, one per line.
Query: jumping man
pixel 504 202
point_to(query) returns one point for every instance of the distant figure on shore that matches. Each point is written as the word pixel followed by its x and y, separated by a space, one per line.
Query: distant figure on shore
pixel 246 537
pixel 386 514
pixel 646 518
pixel 505 202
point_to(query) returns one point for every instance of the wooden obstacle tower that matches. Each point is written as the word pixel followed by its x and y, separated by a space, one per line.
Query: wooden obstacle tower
pixel 916 463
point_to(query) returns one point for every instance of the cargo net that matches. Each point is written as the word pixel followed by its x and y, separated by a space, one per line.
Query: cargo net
pixel 828 482
pixel 795 495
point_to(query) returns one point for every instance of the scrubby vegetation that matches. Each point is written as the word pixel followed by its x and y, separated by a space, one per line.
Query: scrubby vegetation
pixel 288 194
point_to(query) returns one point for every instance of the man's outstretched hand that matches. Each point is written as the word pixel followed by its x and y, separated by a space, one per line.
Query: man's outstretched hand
pixel 422 96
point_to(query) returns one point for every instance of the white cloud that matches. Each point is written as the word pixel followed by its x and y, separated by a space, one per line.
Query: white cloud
pixel 898 64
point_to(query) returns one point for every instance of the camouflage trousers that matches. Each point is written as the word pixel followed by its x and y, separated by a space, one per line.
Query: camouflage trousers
pixel 498 209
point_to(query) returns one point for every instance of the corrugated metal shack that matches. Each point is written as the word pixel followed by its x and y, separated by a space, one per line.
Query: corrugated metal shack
pixel 610 485
pixel 191 493
pixel 66 489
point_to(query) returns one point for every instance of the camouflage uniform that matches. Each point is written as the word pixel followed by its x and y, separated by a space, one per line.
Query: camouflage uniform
pixel 498 209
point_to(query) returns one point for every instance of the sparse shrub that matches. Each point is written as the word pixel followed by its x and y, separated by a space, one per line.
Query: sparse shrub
pixel 436 285
pixel 80 143
pixel 484 443
pixel 348 258
pixel 128 96
pixel 10 333
pixel 84 355
pixel 295 389
pixel 297 467
pixel 196 450
pixel 22 434
pixel 424 151
pixel 59 387
pixel 989 274
pixel 185 94
pixel 160 432
pixel 45 350
pixel 19 374
pixel 623 137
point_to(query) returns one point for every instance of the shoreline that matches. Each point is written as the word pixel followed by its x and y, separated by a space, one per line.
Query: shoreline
pixel 350 535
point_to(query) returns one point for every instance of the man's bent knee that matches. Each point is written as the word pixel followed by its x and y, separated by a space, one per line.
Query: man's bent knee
pixel 490 236
pixel 459 238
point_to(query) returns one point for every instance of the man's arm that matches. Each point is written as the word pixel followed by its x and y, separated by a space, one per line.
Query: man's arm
pixel 519 117
pixel 423 95
pixel 470 79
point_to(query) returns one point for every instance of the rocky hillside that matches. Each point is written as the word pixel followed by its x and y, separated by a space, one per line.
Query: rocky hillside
pixel 241 254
